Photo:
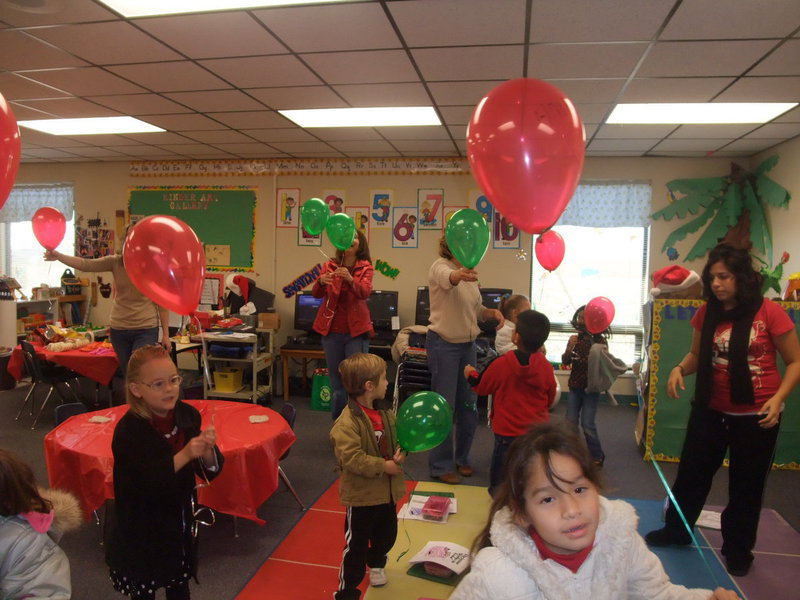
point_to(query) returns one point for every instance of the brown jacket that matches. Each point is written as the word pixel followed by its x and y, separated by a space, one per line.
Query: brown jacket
pixel 363 482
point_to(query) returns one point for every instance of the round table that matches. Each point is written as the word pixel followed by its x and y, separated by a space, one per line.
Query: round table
pixel 79 458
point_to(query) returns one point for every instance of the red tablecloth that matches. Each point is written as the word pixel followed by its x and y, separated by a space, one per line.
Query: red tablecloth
pixel 99 367
pixel 79 458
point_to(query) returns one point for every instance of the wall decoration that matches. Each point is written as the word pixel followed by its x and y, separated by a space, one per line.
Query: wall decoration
pixel 404 227
pixel 481 203
pixel 430 203
pixel 213 289
pixel 448 212
pixel 360 215
pixel 302 281
pixel 335 199
pixel 381 207
pixel 384 268
pixel 93 237
pixel 287 207
pixel 505 235
pixel 218 255
pixel 303 237
pixel 219 215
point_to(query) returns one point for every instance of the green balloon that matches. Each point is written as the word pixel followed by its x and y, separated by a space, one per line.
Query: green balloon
pixel 341 230
pixel 467 235
pixel 314 213
pixel 423 421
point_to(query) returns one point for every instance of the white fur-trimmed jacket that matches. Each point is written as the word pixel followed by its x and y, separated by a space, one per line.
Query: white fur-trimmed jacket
pixel 619 566
pixel 32 565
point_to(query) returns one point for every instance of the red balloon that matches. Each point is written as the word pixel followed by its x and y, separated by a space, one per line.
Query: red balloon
pixel 49 227
pixel 9 150
pixel 166 262
pixel 598 314
pixel 549 250
pixel 525 144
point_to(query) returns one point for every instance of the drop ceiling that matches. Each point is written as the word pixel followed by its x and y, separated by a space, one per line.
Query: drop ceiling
pixel 215 81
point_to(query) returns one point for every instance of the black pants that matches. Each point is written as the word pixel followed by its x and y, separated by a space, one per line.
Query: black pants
pixel 369 534
pixel 709 435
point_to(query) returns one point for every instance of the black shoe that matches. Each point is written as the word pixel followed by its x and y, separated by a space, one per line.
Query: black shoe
pixel 738 566
pixel 667 537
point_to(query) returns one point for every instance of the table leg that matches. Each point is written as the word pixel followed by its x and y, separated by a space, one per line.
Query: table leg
pixel 286 380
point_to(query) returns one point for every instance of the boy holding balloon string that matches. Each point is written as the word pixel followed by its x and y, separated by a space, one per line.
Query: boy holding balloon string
pixel 371 474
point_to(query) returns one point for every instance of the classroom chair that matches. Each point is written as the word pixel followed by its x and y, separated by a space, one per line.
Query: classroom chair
pixel 46 374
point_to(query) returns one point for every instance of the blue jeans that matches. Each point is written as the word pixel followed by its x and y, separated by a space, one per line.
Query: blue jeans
pixel 339 346
pixel 582 404
pixel 126 341
pixel 446 363
pixel 501 444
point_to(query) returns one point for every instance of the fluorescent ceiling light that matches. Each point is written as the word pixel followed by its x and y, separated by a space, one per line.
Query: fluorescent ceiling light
pixel 91 126
pixel 391 116
pixel 149 8
pixel 682 113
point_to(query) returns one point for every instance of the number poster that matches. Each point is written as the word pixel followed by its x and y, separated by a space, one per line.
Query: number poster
pixel 404 227
pixel 480 202
pixel 505 235
pixel 335 199
pixel 303 237
pixel 381 208
pixel 429 207
pixel 287 203
pixel 360 215
pixel 448 212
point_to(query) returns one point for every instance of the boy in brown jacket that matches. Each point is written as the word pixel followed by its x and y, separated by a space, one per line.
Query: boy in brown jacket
pixel 371 476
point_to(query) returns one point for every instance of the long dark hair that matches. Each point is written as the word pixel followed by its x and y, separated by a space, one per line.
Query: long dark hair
pixel 558 436
pixel 597 338
pixel 363 249
pixel 740 264
pixel 18 491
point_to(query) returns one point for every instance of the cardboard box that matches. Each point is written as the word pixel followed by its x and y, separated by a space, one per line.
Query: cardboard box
pixel 269 320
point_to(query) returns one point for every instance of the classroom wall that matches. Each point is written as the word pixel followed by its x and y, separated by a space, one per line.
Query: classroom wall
pixel 102 188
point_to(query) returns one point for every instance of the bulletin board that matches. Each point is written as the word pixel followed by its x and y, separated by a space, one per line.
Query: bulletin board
pixel 222 217
pixel 667 417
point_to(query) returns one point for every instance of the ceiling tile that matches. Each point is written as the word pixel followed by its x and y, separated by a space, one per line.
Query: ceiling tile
pixel 143 151
pixel 621 153
pixel 251 119
pixel 776 130
pixel 721 19
pixel 468 22
pixel 633 131
pixel 784 61
pixel 425 146
pixel 280 135
pixel 458 132
pixel 590 129
pixel 45 140
pixel 411 133
pixel 335 134
pixel 317 96
pixel 302 147
pixel 214 137
pixel 19 52
pixel 53 12
pixel 262 71
pixel 753 144
pixel 578 20
pixel 212 101
pixel 589 90
pixel 480 62
pixel 698 145
pixel 456 115
pixel 674 89
pixel 623 145
pixel 107 43
pixel 762 89
pixel 682 59
pixel 184 122
pixel 70 108
pixel 170 76
pixel 385 94
pixel 363 146
pixel 459 93
pixel 89 81
pixel 792 116
pixel 379 66
pixel 95 152
pixel 106 139
pixel 48 153
pixel 24 113
pixel 15 87
pixel 157 137
pixel 592 113
pixel 559 61
pixel 249 149
pixel 195 149
pixel 201 35
pixel 140 104
pixel 729 131
pixel 357 26
pixel 682 153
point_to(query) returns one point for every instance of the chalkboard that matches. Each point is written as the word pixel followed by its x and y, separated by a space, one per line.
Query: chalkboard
pixel 222 217
pixel 667 417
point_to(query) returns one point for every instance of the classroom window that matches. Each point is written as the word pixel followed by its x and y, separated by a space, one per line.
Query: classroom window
pixel 606 235
pixel 20 252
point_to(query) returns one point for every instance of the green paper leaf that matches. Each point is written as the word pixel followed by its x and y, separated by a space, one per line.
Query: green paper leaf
pixel 691 203
pixel 759 231
pixel 732 204
pixel 772 193
pixel 715 231
pixel 691 226
pixel 704 186
pixel 767 165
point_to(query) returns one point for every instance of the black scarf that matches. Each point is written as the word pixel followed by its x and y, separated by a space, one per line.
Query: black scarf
pixel 741 383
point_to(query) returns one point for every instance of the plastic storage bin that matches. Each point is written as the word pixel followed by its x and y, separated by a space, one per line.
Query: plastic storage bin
pixel 321 390
pixel 228 379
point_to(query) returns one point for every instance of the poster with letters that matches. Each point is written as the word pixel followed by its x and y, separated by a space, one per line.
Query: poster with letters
pixel 381 208
pixel 430 203
pixel 404 227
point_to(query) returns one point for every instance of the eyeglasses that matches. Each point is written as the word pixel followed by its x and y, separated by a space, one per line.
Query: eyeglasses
pixel 161 385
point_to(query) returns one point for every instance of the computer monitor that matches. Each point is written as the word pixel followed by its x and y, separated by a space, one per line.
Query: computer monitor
pixel 305 311
pixel 423 311
pixel 382 307
pixel 491 297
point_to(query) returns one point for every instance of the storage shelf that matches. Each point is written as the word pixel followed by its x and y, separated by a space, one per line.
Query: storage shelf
pixel 260 358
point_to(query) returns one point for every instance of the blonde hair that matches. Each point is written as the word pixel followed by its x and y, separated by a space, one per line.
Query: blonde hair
pixel 137 360
pixel 444 249
pixel 358 369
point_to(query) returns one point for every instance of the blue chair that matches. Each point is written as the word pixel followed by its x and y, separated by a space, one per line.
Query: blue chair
pixel 46 374
pixel 65 411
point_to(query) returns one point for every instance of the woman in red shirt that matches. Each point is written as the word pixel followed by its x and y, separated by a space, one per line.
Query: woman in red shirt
pixel 739 397
pixel 343 317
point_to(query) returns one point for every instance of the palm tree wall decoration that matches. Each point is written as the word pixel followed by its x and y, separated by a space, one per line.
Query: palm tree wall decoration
pixel 736 206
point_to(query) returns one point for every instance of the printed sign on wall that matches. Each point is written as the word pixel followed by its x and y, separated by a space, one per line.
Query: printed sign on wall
pixel 381 208
pixel 335 199
pixel 505 234
pixel 303 237
pixel 449 211
pixel 430 202
pixel 360 215
pixel 404 227
pixel 480 202
pixel 287 203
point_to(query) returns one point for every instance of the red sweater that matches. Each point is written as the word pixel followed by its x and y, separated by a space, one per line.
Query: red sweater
pixel 523 387
pixel 342 296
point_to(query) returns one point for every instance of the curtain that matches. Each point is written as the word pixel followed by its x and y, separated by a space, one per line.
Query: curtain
pixel 25 200
pixel 609 205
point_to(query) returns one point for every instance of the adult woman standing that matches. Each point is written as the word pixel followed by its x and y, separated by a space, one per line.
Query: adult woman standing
pixel 450 343
pixel 343 317
pixel 739 396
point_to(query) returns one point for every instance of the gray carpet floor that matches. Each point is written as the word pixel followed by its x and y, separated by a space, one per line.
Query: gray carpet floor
pixel 227 562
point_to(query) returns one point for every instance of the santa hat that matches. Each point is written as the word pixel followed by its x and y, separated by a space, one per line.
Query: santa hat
pixel 673 279
pixel 243 283
pixel 231 285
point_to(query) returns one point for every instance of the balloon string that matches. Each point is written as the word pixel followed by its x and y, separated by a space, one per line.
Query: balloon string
pixel 405 528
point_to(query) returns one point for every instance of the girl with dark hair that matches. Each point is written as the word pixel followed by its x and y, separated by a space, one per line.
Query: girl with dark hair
pixel 343 318
pixel 550 533
pixel 739 397
pixel 510 306
pixel 582 404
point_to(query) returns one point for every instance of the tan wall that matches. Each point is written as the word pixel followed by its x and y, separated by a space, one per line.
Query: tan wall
pixel 103 188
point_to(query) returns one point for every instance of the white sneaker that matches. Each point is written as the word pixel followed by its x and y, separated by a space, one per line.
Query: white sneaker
pixel 377 577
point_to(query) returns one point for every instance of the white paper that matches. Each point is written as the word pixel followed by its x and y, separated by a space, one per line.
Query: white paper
pixel 99 419
pixel 412 510
pixel 259 418
pixel 447 554
pixel 210 293
pixel 710 519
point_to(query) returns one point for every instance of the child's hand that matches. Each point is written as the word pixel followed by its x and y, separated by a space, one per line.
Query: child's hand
pixel 209 436
pixel 400 456
pixel 344 273
pixel 195 447
pixel 392 468
pixel 326 278
pixel 469 370
pixel 723 594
